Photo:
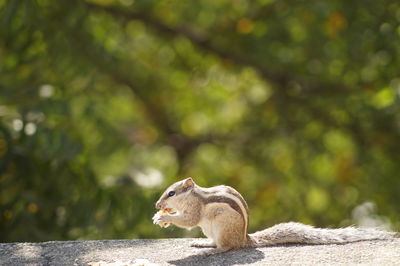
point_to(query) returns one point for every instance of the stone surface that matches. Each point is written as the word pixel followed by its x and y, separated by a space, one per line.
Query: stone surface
pixel 179 252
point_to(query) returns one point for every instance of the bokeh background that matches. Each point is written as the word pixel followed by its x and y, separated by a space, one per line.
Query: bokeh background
pixel 104 103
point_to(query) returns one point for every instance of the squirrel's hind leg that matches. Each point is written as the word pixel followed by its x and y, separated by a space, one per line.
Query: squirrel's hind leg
pixel 230 235
pixel 201 243
pixel 213 251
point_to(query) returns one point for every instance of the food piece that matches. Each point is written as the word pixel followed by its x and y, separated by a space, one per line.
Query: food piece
pixel 157 216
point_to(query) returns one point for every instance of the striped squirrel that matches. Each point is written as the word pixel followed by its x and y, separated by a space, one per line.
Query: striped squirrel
pixel 222 214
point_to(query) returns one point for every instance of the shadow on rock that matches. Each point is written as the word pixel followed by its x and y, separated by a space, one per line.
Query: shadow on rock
pixel 243 256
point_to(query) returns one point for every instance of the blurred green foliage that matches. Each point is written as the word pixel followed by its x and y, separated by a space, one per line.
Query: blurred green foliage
pixel 104 103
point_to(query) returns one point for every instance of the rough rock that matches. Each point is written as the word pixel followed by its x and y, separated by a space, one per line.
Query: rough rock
pixel 179 252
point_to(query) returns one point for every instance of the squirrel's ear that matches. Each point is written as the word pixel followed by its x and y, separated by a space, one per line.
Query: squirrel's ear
pixel 188 182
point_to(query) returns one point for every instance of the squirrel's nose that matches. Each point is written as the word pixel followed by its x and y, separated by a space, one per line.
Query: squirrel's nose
pixel 158 205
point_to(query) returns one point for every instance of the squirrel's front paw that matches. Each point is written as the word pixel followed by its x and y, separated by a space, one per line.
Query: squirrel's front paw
pixel 162 220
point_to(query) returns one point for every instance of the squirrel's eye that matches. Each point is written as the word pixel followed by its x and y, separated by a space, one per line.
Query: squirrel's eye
pixel 171 193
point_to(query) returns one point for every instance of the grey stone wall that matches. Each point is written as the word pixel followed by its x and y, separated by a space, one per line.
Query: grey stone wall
pixel 179 252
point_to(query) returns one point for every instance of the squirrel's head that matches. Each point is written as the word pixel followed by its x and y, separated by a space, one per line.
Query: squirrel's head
pixel 172 197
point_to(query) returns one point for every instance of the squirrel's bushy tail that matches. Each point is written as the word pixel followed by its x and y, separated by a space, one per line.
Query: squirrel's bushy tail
pixel 300 233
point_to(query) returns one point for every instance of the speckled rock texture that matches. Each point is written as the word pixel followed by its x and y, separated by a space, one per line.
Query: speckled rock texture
pixel 179 252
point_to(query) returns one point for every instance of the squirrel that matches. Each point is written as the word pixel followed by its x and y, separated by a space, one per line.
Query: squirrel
pixel 223 215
